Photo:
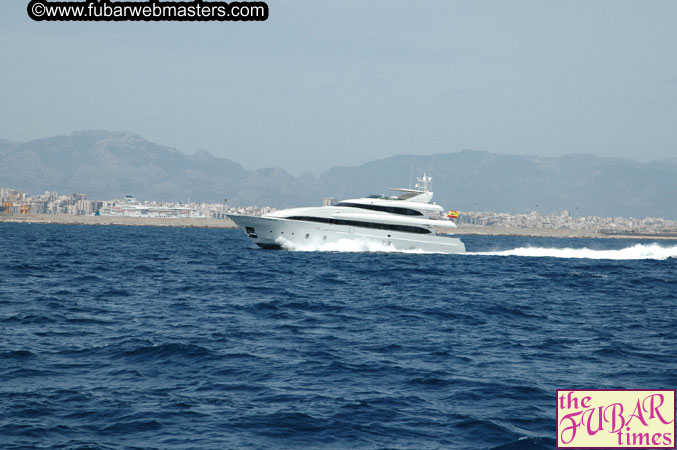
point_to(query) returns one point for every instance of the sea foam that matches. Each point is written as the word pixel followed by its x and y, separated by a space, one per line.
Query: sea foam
pixel 344 245
pixel 638 251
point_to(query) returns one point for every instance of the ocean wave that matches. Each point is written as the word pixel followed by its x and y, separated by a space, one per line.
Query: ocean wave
pixel 165 351
pixel 258 349
pixel 133 426
pixel 17 354
pixel 525 443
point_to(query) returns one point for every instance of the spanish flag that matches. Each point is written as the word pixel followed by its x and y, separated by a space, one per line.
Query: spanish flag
pixel 452 214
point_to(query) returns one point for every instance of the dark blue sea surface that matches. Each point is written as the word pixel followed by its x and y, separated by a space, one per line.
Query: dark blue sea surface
pixel 114 337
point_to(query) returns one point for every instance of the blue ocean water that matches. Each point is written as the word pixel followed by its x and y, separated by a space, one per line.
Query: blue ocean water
pixel 114 337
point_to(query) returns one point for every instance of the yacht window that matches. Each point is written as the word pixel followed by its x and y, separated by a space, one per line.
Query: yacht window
pixel 357 223
pixel 388 209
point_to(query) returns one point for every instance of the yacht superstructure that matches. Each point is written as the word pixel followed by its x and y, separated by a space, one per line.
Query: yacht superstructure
pixel 405 221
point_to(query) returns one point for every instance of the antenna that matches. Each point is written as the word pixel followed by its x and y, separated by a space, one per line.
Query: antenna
pixel 411 171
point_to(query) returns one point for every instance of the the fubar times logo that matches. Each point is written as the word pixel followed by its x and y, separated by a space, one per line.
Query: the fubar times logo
pixel 616 418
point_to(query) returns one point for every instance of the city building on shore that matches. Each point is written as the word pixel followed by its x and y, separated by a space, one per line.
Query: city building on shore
pixel 564 221
pixel 13 201
pixel 130 207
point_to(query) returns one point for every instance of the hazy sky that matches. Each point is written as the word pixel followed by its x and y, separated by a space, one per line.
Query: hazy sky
pixel 326 83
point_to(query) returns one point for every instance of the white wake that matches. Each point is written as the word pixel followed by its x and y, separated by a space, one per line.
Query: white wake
pixel 344 245
pixel 638 251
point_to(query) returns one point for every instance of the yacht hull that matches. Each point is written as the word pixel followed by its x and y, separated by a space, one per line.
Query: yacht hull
pixel 276 233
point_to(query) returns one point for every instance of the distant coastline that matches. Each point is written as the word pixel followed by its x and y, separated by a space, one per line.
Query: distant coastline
pixel 559 233
pixel 226 223
pixel 68 219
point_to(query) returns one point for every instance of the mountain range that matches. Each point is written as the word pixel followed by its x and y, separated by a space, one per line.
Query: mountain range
pixel 107 165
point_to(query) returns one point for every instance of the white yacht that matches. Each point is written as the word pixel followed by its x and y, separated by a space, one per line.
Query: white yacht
pixel 405 220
